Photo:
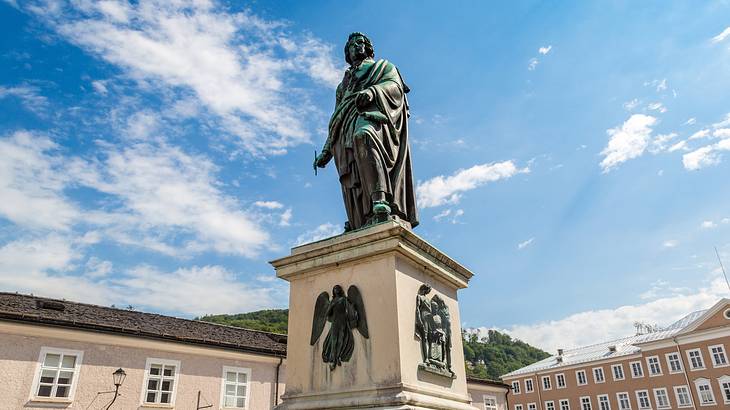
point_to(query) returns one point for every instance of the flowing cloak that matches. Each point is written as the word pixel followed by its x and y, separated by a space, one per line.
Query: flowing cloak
pixel 384 125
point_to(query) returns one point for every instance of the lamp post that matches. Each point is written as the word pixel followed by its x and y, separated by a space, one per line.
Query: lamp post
pixel 119 375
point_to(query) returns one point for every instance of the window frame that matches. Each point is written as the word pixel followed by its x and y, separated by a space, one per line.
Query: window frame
pixel 580 401
pixel 557 384
pixel 577 379
pixel 519 388
pixel 549 380
pixel 676 396
pixel 176 380
pixel 712 355
pixel 566 401
pixel 533 405
pixel 669 362
pixel 618 400
pixel 603 375
pixel 613 372
pixel 518 407
pixel 705 382
pixel 638 399
pixel 649 367
pixel 689 359
pixel 552 402
pixel 641 368
pixel 484 401
pixel 720 381
pixel 608 401
pixel 656 398
pixel 531 384
pixel 245 370
pixel 34 397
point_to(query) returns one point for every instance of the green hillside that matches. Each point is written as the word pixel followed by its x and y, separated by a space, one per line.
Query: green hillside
pixel 486 358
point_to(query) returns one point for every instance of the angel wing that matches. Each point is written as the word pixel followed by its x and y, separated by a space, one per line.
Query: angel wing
pixel 320 316
pixel 355 298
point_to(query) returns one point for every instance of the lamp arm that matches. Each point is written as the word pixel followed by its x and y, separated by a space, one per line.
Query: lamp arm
pixel 116 394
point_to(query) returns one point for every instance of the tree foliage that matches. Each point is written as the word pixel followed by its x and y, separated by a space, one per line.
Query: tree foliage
pixel 488 357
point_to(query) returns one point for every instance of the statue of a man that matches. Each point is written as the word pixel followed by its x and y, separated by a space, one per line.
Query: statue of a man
pixel 368 138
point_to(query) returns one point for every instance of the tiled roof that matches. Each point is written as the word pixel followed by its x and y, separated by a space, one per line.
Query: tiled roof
pixel 624 347
pixel 486 382
pixel 33 309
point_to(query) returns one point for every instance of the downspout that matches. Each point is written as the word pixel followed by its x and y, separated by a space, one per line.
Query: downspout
pixel 684 372
pixel 506 396
pixel 539 386
pixel 276 382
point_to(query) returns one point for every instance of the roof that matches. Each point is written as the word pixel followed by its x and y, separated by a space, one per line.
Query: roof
pixel 63 313
pixel 486 382
pixel 600 351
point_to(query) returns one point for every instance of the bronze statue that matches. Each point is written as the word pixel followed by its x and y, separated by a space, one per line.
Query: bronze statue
pixel 433 329
pixel 345 313
pixel 368 139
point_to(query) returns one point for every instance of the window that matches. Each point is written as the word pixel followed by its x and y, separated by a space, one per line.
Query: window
pixel 725 388
pixel 673 362
pixel 549 405
pixel 681 393
pixel 661 398
pixel 490 403
pixel 546 385
pixel 637 370
pixel 160 381
pixel 565 404
pixel 603 403
pixel 235 387
pixel 531 406
pixel 57 372
pixel 560 380
pixel 642 397
pixel 695 359
pixel 655 369
pixel 598 376
pixel 623 401
pixel 516 387
pixel 718 355
pixel 518 407
pixel 585 403
pixel 528 386
pixel 618 372
pixel 580 376
pixel 704 391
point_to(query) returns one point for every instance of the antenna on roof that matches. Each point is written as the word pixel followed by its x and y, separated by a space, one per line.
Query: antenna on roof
pixel 722 267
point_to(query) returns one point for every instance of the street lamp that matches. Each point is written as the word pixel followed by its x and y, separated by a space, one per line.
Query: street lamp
pixel 119 375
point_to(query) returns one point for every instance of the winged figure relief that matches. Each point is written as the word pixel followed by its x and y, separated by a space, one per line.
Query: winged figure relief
pixel 345 313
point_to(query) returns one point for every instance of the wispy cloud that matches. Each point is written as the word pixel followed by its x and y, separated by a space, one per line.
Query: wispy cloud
pixel 627 141
pixel 544 50
pixel 443 190
pixel 706 156
pixel 525 244
pixel 722 36
pixel 323 231
pixel 532 65
pixel 30 97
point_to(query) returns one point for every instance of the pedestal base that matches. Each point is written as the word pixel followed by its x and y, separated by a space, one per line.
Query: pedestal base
pixel 388 263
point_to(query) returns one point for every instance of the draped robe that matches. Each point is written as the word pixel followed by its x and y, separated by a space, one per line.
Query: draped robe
pixel 370 144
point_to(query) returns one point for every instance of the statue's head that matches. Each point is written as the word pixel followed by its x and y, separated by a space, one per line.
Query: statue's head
pixel 424 290
pixel 337 291
pixel 358 48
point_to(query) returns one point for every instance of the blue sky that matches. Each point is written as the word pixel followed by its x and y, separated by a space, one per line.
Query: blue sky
pixel 574 156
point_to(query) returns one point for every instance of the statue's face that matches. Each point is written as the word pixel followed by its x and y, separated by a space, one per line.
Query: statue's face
pixel 337 291
pixel 356 49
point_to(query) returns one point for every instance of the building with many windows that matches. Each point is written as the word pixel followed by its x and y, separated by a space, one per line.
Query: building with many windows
pixel 61 354
pixel 685 365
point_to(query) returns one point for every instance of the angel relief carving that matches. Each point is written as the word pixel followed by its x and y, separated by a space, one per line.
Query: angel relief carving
pixel 345 313
pixel 433 330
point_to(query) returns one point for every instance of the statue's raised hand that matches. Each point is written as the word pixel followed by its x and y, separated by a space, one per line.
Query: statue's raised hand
pixel 322 159
pixel 364 98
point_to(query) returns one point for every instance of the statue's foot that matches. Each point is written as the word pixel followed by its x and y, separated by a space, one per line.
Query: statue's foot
pixel 348 227
pixel 381 208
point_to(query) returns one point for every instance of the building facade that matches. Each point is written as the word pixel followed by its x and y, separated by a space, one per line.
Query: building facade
pixel 61 354
pixel 683 366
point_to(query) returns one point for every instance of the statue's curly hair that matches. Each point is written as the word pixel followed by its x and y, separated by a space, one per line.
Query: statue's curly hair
pixel 368 46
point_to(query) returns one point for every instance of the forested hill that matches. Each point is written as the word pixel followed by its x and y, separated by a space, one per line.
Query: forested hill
pixel 272 320
pixel 488 357
pixel 497 354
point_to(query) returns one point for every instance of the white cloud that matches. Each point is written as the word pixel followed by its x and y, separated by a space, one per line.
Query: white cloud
pixel 699 135
pixel 285 218
pixel 628 141
pixel 671 243
pixel 681 145
pixel 661 142
pixel 722 36
pixel 97 268
pixel 594 326
pixel 532 65
pixel 100 87
pixel 28 95
pixel 443 190
pixel 690 121
pixel 630 105
pixel 724 123
pixel 269 204
pixel 708 225
pixel 32 183
pixel 662 85
pixel 706 156
pixel 326 230
pixel 525 244
pixel 725 220
pixel 237 65
pixel 657 106
pixel 721 133
pixel 545 50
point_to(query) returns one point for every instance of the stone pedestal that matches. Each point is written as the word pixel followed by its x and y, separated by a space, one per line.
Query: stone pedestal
pixel 388 263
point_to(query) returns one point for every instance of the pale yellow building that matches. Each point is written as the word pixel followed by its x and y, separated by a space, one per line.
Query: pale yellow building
pixel 61 354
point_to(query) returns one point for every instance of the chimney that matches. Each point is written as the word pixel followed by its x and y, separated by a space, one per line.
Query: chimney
pixel 560 352
pixel 560 359
pixel 612 348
